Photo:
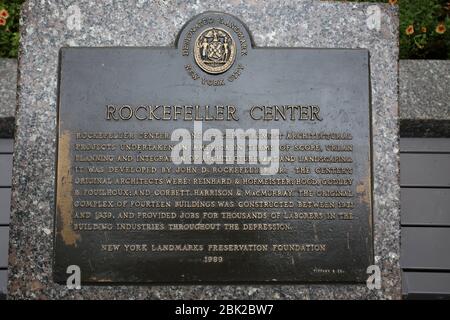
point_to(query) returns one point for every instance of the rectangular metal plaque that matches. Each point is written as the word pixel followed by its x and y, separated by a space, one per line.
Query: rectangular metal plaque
pixel 126 212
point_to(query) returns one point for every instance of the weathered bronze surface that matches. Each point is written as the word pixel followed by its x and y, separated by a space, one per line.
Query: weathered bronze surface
pixel 125 213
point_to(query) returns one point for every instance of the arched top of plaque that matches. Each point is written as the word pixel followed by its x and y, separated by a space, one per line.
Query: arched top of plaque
pixel 214 42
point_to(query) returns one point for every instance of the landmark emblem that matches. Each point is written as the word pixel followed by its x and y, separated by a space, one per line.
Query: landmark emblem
pixel 214 50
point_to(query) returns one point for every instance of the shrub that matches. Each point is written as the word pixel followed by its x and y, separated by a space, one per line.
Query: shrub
pixel 424 29
pixel 9 27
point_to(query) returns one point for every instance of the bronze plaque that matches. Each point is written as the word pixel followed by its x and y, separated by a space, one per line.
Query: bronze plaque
pixel 213 161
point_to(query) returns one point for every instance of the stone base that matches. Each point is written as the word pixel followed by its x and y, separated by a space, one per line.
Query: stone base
pixel 8 84
pixel 425 98
pixel 148 23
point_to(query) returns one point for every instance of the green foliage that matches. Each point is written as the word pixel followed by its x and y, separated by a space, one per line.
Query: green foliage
pixel 430 20
pixel 9 27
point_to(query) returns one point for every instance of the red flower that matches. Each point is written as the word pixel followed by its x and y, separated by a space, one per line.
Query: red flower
pixel 440 28
pixel 410 30
pixel 4 13
pixel 2 22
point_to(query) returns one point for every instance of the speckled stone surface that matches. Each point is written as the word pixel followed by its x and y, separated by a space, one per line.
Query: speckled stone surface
pixel 8 83
pixel 156 23
pixel 424 89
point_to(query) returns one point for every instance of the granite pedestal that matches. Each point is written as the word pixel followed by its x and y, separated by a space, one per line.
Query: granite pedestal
pixel 155 23
pixel 8 80
pixel 424 98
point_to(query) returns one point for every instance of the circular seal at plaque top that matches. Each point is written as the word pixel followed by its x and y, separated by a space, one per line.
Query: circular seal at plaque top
pixel 214 50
